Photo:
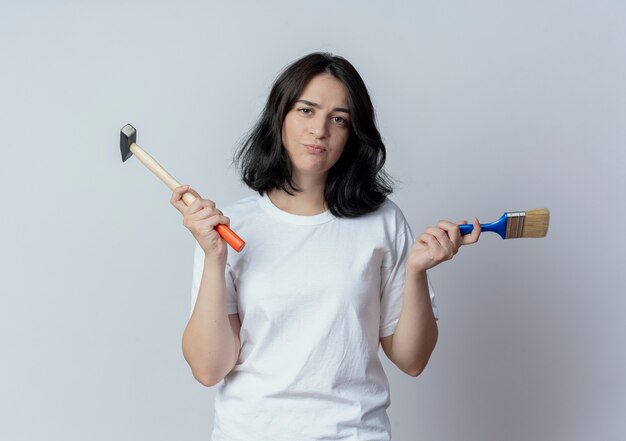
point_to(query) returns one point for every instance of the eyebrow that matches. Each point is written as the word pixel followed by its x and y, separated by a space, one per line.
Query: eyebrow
pixel 317 106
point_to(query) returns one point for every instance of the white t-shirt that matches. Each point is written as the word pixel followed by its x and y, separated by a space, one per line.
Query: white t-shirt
pixel 314 295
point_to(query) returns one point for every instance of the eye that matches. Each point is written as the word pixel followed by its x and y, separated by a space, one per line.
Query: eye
pixel 340 121
pixel 304 110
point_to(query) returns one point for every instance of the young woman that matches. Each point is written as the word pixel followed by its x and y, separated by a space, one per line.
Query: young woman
pixel 292 324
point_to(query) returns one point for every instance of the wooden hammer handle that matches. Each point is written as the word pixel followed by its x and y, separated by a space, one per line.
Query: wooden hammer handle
pixel 226 233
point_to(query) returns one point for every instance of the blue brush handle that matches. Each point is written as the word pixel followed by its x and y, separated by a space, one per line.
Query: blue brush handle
pixel 498 226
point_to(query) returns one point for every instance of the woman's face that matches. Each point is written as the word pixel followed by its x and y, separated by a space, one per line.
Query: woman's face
pixel 316 128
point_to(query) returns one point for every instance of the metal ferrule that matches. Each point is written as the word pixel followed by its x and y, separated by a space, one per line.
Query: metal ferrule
pixel 515 224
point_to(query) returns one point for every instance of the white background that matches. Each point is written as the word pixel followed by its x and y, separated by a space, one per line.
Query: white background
pixel 485 107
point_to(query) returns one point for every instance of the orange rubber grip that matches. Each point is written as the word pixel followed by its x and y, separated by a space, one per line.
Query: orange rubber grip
pixel 230 237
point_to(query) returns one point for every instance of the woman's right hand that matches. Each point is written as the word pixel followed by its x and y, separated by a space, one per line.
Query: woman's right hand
pixel 200 218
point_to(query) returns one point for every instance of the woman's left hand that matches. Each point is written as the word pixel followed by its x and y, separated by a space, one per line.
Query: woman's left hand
pixel 438 244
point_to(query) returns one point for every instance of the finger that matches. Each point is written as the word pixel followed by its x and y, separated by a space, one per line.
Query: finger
pixel 181 189
pixel 199 204
pixel 443 238
pixel 222 220
pixel 195 206
pixel 430 241
pixel 435 231
pixel 194 192
pixel 176 199
pixel 453 233
pixel 205 213
pixel 190 193
pixel 212 222
pixel 425 238
pixel 445 225
pixel 438 252
pixel 474 235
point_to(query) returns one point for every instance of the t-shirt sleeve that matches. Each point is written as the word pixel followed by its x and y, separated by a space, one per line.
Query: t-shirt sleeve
pixel 392 282
pixel 198 266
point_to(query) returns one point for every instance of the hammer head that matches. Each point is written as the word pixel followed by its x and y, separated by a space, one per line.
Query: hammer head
pixel 128 136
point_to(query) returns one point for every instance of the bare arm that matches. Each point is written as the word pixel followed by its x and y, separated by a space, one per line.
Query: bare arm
pixel 416 334
pixel 211 339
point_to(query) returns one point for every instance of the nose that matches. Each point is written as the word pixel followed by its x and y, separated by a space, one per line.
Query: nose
pixel 318 128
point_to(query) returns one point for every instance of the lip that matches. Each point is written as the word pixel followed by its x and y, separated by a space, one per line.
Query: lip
pixel 315 148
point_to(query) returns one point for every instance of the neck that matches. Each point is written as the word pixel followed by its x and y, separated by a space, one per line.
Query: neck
pixel 308 202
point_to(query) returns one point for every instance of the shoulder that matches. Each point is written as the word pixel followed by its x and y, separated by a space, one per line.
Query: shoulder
pixel 389 213
pixel 391 209
pixel 245 215
pixel 386 222
pixel 242 206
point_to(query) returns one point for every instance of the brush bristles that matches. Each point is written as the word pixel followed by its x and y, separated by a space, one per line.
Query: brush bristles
pixel 536 224
pixel 533 223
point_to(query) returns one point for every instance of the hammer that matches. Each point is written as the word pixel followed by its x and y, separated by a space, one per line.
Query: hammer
pixel 128 147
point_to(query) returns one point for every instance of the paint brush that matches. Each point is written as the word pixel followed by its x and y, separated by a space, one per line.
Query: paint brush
pixel 512 225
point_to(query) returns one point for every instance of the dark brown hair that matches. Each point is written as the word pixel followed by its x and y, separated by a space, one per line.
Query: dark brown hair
pixel 357 184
